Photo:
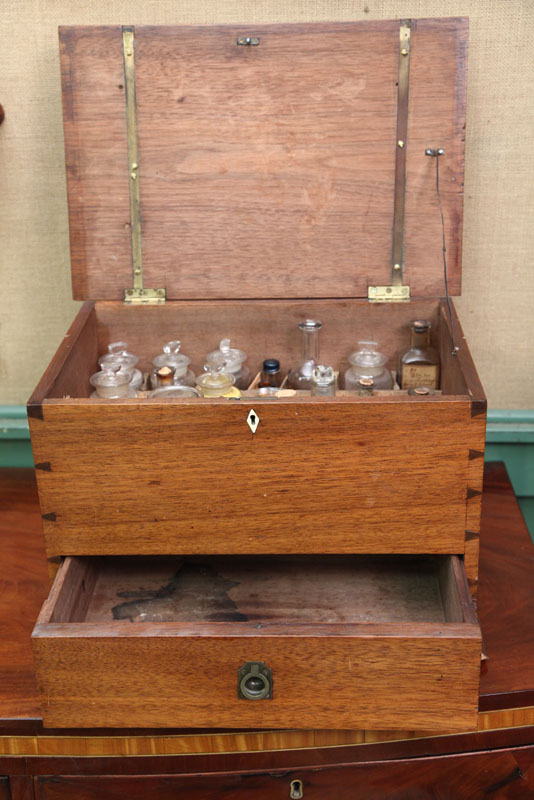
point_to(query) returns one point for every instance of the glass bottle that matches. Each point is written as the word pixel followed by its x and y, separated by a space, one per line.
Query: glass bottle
pixel 112 383
pixel 215 382
pixel 367 362
pixel 323 381
pixel 421 391
pixel 118 354
pixel 366 387
pixel 234 363
pixel 165 392
pixel 178 362
pixel 270 374
pixel 420 364
pixel 164 376
pixel 301 376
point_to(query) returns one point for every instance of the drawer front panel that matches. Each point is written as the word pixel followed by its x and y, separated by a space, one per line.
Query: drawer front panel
pixel 499 774
pixel 151 678
pixel 373 476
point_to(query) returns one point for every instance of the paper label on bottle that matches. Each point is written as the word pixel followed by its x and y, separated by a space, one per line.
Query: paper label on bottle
pixel 414 375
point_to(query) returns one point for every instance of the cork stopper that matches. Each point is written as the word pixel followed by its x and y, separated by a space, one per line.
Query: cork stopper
pixel 366 386
pixel 165 376
pixel 421 391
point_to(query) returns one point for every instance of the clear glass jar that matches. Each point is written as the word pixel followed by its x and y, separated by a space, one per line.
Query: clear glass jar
pixel 112 383
pixel 323 381
pixel 215 382
pixel 367 362
pixel 234 363
pixel 301 376
pixel 118 354
pixel 178 362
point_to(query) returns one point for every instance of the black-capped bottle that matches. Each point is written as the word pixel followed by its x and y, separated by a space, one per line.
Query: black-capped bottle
pixel 420 364
pixel 270 373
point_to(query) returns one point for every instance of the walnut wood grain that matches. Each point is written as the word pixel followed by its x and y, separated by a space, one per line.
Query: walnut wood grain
pixel 459 374
pixel 436 120
pixel 505 609
pixel 364 486
pixel 256 158
pixel 292 590
pixel 502 773
pixel 96 157
pixel 397 680
pixel 364 625
pixel 69 370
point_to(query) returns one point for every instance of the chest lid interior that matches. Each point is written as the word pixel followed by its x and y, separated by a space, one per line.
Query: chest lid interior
pixel 264 161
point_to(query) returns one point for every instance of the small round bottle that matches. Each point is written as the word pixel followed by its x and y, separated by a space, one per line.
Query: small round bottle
pixel 323 381
pixel 171 357
pixel 366 387
pixel 166 392
pixel 421 391
pixel 164 376
pixel 215 382
pixel 112 383
pixel 270 374
pixel 367 362
pixel 234 360
pixel 118 354
pixel 301 376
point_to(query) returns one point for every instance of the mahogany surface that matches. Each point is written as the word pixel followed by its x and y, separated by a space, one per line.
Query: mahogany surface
pixel 506 602
pixel 497 774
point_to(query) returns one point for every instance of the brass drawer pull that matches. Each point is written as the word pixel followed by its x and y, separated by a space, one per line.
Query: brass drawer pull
pixel 296 789
pixel 254 681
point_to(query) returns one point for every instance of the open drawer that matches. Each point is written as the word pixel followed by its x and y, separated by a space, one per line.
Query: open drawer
pixel 259 641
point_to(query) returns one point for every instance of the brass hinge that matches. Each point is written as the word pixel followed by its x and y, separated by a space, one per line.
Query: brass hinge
pixel 149 297
pixel 137 294
pixel 388 294
pixel 397 292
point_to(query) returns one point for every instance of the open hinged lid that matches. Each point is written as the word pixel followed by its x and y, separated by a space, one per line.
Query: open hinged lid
pixel 263 161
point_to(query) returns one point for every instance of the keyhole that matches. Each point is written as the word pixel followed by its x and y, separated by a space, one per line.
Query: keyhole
pixel 295 789
pixel 253 420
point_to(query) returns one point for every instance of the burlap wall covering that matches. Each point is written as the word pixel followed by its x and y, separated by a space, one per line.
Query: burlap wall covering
pixel 497 302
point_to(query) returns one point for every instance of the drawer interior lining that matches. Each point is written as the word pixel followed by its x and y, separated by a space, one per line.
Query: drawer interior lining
pixel 259 589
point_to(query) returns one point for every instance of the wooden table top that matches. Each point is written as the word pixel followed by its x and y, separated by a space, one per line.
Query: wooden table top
pixel 506 600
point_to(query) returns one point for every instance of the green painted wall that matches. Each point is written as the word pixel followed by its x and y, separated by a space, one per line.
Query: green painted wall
pixel 509 438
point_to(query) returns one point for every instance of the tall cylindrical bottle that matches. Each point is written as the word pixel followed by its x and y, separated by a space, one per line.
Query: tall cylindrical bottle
pixel 420 364
pixel 301 376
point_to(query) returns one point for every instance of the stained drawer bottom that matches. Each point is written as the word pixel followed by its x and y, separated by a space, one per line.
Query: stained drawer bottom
pixel 308 641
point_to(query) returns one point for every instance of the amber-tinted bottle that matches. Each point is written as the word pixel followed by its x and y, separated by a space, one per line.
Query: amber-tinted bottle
pixel 420 364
